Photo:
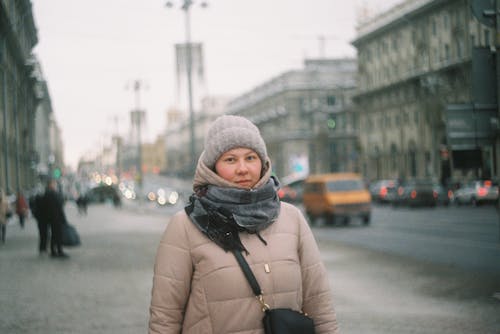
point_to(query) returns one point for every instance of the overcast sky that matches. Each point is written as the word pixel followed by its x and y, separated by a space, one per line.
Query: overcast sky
pixel 92 50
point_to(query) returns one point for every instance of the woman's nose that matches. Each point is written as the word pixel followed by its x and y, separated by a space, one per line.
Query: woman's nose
pixel 242 166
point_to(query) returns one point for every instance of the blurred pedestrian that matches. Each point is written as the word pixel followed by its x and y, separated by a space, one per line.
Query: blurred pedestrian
pixel 4 212
pixel 36 207
pixel 198 285
pixel 117 202
pixel 22 208
pixel 82 204
pixel 53 214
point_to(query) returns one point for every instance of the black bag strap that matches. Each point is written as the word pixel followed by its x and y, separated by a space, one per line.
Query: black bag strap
pixel 247 271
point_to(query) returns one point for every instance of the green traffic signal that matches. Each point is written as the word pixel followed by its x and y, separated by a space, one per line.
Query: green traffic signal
pixel 331 123
pixel 56 173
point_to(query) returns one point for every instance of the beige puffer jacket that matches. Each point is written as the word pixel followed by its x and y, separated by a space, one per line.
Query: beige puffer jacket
pixel 199 288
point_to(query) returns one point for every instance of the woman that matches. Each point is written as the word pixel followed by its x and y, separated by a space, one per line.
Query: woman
pixel 22 209
pixel 198 286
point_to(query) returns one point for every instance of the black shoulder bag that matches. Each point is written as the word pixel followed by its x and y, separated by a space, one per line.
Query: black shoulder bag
pixel 278 320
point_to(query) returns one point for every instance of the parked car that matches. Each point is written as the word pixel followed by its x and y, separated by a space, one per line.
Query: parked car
pixel 477 192
pixel 380 190
pixel 292 191
pixel 104 193
pixel 417 192
pixel 166 196
pixel 336 195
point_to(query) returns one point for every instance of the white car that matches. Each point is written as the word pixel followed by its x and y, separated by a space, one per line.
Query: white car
pixel 477 192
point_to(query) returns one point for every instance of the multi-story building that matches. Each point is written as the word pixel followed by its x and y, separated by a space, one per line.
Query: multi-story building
pixel 153 156
pixel 414 62
pixel 48 145
pixel 306 117
pixel 18 97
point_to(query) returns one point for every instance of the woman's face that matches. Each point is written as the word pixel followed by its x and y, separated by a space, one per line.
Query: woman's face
pixel 241 166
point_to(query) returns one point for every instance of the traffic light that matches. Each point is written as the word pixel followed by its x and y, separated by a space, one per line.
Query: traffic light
pixel 56 173
pixel 331 122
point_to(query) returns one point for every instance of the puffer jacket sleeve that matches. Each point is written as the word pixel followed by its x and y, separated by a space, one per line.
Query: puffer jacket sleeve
pixel 317 295
pixel 172 278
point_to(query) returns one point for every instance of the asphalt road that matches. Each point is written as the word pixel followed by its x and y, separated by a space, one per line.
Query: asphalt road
pixel 105 286
pixel 465 237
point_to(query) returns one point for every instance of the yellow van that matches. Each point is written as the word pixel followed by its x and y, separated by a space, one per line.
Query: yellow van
pixel 336 195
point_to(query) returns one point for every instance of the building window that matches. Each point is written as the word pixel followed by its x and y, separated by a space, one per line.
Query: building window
pixel 355 121
pixel 394 157
pixel 428 166
pixel 342 121
pixel 459 48
pixel 446 52
pixel 330 100
pixel 472 40
pixel 303 107
pixel 413 162
pixel 486 37
pixel 445 21
pixel 458 18
pixel 434 28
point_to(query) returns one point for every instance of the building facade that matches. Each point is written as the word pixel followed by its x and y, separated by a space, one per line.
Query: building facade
pixel 414 62
pixel 306 117
pixel 18 97
pixel 48 143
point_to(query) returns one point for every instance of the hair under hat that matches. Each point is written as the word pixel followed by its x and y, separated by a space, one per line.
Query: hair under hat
pixel 228 132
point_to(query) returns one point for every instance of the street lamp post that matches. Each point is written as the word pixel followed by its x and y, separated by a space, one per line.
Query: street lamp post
pixel 137 117
pixel 189 62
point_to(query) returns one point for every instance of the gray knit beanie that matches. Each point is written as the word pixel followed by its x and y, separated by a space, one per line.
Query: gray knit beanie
pixel 228 132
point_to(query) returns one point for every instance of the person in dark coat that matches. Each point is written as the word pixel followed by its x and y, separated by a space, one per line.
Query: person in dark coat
pixel 82 204
pixel 53 213
pixel 4 212
pixel 36 207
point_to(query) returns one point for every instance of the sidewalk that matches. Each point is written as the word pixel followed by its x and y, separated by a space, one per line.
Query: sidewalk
pixel 104 287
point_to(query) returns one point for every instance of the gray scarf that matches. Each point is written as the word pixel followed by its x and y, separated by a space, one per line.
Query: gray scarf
pixel 222 212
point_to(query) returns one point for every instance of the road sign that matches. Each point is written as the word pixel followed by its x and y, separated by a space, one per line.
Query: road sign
pixel 471 125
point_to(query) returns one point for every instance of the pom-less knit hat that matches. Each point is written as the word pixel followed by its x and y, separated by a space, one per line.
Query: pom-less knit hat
pixel 228 132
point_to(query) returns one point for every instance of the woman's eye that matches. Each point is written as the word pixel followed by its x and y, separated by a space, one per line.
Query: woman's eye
pixel 251 157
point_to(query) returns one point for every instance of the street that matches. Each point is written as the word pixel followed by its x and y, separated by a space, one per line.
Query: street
pixel 465 237
pixel 379 286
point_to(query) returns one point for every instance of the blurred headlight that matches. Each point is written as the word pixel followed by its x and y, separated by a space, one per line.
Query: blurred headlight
pixel 173 197
pixel 151 196
pixel 129 194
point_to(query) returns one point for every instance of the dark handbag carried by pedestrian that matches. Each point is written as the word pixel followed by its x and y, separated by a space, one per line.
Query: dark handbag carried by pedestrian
pixel 70 237
pixel 278 320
